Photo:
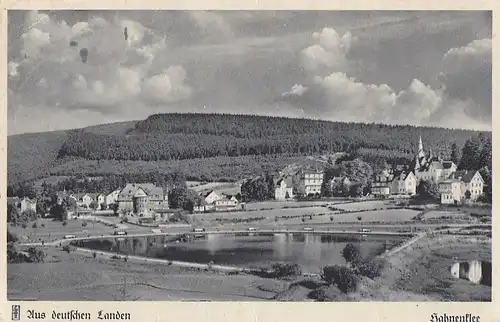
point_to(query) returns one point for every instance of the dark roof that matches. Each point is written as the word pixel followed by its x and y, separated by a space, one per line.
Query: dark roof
pixel 207 193
pixel 447 164
pixel 466 175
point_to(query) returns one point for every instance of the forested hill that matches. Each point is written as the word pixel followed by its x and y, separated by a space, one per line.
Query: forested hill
pixel 187 136
pixel 232 139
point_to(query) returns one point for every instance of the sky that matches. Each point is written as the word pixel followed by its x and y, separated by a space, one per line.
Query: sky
pixel 71 69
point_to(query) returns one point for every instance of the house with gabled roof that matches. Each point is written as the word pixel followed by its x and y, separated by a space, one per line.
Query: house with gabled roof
pixel 391 182
pixel 83 199
pixel 472 182
pixel 132 194
pixel 283 188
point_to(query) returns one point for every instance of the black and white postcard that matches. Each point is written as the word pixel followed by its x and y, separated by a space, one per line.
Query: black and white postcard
pixel 160 156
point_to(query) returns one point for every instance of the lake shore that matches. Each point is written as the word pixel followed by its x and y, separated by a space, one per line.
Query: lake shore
pixel 408 277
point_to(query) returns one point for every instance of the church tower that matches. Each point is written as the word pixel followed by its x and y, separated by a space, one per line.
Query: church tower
pixel 421 153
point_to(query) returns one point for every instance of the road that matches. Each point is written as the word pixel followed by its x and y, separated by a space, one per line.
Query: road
pixel 264 230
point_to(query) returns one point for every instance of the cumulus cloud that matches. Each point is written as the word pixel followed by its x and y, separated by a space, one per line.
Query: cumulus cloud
pixel 467 76
pixel 167 86
pixel 463 98
pixel 329 51
pixel 49 70
pixel 297 89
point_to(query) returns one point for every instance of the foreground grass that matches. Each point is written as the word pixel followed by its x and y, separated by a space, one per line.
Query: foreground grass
pixel 76 276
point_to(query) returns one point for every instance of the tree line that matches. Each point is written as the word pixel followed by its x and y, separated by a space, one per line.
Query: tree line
pixel 189 136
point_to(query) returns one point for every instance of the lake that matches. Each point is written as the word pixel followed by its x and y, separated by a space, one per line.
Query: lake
pixel 310 251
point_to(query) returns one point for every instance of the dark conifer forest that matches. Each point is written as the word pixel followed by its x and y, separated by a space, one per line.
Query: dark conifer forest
pixel 189 136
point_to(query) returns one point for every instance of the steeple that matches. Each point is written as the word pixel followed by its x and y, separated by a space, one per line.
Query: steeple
pixel 421 153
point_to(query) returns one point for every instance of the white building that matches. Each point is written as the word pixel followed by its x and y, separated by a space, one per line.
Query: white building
pixel 283 189
pixel 112 197
pixel 308 181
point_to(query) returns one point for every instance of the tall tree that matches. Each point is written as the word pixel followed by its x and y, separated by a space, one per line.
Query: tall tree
pixel 471 155
pixel 455 154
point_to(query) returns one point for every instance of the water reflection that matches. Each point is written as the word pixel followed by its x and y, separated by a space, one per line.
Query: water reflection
pixel 477 272
pixel 311 251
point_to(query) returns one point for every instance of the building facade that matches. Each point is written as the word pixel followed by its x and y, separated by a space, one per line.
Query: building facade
pixel 451 191
pixel 308 182
pixel 392 182
pixel 156 199
pixel 112 197
pixel 473 183
pixel 283 189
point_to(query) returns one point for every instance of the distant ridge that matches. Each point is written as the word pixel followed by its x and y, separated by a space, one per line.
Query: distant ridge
pixel 189 136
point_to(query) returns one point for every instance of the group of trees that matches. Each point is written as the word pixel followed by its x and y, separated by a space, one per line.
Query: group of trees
pixel 358 172
pixel 188 136
pixel 258 189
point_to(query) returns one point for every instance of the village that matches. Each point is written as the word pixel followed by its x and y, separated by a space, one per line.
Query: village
pixel 146 200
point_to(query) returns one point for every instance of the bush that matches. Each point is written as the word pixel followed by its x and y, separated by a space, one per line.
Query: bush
pixel 34 225
pixel 331 218
pixel 351 254
pixel 84 224
pixel 64 223
pixel 341 276
pixel 24 225
pixel 42 225
pixel 67 248
pixel 360 218
pixel 278 270
pixel 94 254
pixel 36 255
pixel 372 269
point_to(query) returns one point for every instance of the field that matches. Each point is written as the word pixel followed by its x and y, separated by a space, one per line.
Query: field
pixel 365 205
pixel 268 205
pixel 80 277
pixel 429 262
pixel 54 230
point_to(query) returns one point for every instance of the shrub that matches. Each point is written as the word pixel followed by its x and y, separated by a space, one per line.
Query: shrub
pixel 24 225
pixel 36 255
pixel 67 248
pixel 360 218
pixel 341 276
pixel 331 218
pixel 279 270
pixel 351 254
pixel 372 269
pixel 84 224
pixel 42 225
pixel 34 225
pixel 64 223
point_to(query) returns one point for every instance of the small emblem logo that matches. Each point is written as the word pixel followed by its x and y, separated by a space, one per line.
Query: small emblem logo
pixel 16 312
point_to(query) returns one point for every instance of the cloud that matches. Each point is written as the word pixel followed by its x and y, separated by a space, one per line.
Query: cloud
pixel 467 76
pixel 297 89
pixel 211 24
pixel 329 51
pixel 168 86
pixel 50 72
pixel 463 98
